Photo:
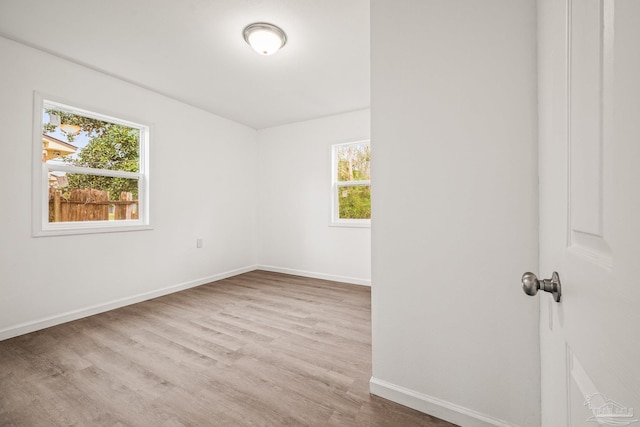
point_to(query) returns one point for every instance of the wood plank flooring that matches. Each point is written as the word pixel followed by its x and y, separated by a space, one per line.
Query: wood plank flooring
pixel 258 349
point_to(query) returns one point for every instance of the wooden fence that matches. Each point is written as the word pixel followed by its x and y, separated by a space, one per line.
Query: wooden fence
pixel 88 204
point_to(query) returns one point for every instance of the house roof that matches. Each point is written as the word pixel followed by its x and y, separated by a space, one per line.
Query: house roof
pixel 53 148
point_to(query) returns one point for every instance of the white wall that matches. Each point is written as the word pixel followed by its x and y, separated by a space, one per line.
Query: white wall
pixel 295 201
pixel 455 208
pixel 203 184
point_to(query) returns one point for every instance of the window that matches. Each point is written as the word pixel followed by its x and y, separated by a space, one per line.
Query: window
pixel 351 176
pixel 90 171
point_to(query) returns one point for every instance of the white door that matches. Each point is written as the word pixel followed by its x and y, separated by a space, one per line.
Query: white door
pixel 589 163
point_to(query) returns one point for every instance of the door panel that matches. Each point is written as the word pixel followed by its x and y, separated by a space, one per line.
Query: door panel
pixel 589 111
pixel 589 53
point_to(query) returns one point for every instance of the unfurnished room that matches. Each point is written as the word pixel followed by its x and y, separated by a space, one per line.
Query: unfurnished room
pixel 320 213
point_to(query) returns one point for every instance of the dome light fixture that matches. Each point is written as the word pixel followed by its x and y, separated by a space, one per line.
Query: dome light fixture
pixel 264 38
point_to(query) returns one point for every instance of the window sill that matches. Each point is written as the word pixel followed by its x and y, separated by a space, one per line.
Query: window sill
pixel 90 229
pixel 351 224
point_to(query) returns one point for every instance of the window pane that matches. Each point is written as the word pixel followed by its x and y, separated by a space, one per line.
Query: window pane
pixel 354 202
pixel 74 139
pixel 80 197
pixel 353 162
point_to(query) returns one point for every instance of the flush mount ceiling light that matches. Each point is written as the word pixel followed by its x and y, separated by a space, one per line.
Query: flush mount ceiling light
pixel 264 38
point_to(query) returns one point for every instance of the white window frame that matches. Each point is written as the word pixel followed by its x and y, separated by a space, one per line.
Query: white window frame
pixel 336 185
pixel 40 185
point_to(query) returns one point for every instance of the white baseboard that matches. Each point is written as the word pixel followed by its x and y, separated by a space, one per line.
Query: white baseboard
pixel 433 406
pixel 314 275
pixel 47 322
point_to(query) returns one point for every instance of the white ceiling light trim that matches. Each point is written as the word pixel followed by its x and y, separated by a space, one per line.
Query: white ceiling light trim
pixel 264 38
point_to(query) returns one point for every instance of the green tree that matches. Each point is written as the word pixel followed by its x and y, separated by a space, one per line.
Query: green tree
pixel 116 148
pixel 353 162
pixel 92 127
pixel 354 202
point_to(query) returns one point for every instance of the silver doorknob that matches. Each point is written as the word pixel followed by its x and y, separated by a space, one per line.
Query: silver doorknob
pixel 531 284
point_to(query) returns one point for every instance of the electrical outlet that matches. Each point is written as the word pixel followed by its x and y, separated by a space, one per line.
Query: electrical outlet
pixel 199 242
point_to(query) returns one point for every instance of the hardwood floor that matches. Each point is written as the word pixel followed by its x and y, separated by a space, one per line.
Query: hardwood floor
pixel 259 349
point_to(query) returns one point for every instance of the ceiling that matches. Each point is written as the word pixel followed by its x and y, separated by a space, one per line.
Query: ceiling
pixel 193 51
